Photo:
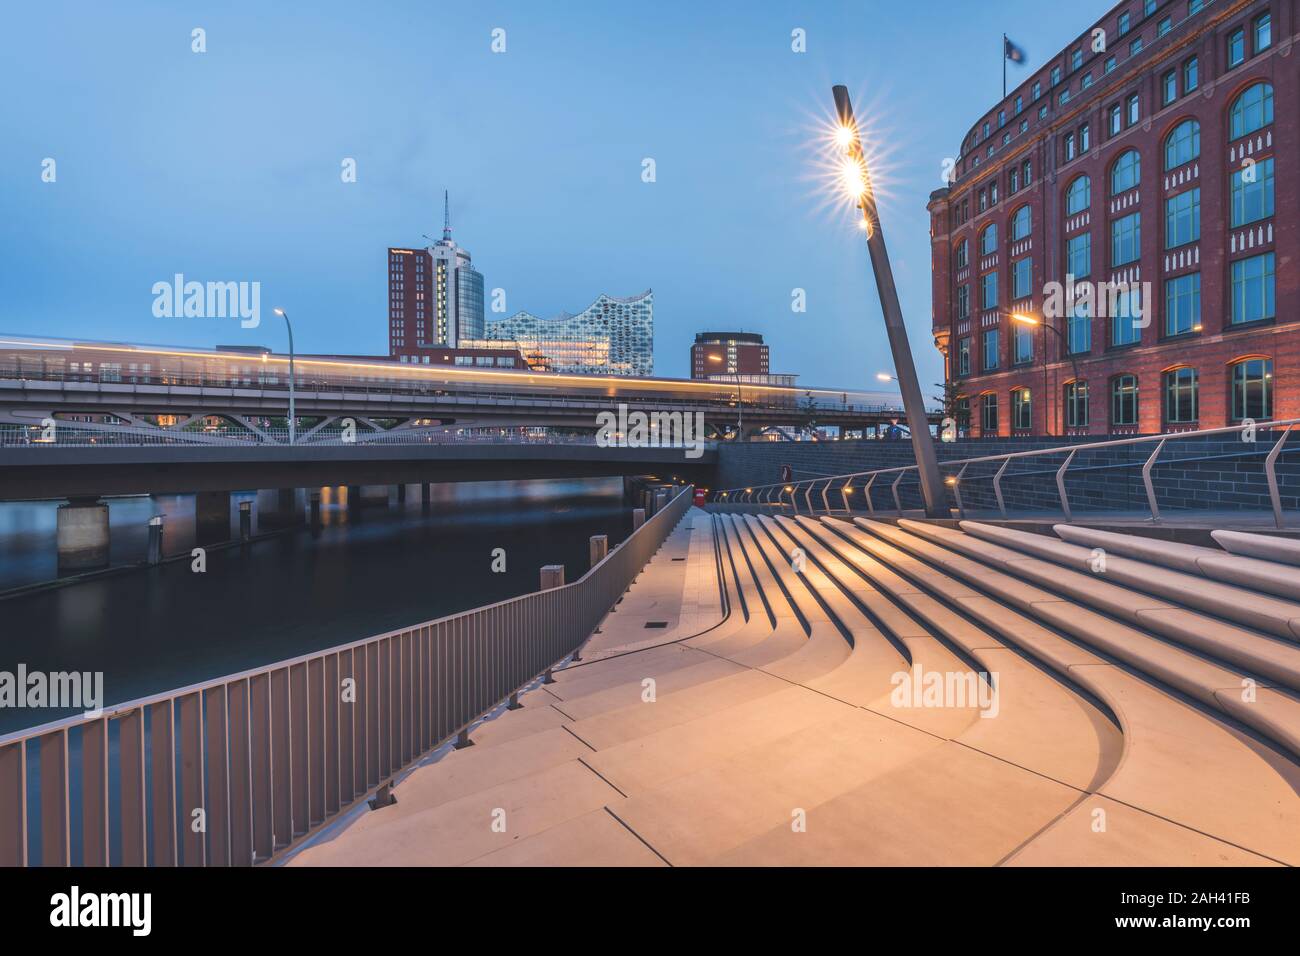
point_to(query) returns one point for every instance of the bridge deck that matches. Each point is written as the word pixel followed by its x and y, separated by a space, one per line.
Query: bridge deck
pixel 763 722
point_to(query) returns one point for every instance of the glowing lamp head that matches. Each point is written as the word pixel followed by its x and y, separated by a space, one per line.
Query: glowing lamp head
pixel 853 177
pixel 884 377
pixel 845 136
pixel 278 311
pixel 1024 319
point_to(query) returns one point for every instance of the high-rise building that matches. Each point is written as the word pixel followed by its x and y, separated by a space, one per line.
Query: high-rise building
pixel 728 353
pixel 1124 199
pixel 435 296
pixel 612 336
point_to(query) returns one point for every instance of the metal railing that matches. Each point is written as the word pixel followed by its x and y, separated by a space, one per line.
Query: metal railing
pixel 784 494
pixel 234 771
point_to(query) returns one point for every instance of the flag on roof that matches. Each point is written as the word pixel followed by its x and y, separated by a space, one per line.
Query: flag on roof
pixel 1012 52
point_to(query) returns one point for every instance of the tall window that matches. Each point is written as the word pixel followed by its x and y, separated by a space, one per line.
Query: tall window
pixel 963 357
pixel 1022 273
pixel 1124 400
pixel 1251 110
pixel 989 290
pixel 1126 239
pixel 1021 223
pixel 1078 256
pixel 1252 193
pixel 1078 329
pixel 1252 389
pixel 1252 289
pixel 1183 304
pixel 1183 144
pixel 989 349
pixel 963 301
pixel 1169 87
pixel 1022 339
pixel 1078 196
pixel 1183 218
pixel 1182 405
pixel 989 239
pixel 962 258
pixel 1126 321
pixel 1022 409
pixel 989 414
pixel 1236 48
pixel 1115 121
pixel 1263 32
pixel 1191 75
pixel 1133 108
pixel 1126 173
pixel 1076 405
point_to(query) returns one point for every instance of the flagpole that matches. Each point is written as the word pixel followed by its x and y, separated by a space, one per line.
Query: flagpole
pixel 1004 66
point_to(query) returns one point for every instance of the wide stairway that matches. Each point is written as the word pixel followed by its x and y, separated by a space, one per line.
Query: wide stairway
pixel 795 691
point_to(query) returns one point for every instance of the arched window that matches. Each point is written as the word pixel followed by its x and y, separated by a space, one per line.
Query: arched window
pixel 1182 396
pixel 1126 173
pixel 1251 110
pixel 1183 144
pixel 1078 196
pixel 1021 223
pixel 1124 400
pixel 963 255
pixel 1251 389
pixel 989 239
pixel 1022 409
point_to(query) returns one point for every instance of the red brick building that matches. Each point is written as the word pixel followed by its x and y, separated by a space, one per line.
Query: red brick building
pixel 1136 167
pixel 728 353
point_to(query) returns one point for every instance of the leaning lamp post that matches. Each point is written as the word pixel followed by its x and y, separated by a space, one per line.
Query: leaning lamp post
pixel 292 416
pixel 857 181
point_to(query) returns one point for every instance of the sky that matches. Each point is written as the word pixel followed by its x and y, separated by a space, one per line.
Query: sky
pixel 227 165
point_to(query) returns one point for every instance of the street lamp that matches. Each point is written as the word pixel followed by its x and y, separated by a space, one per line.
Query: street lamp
pixel 740 401
pixel 858 185
pixel 292 416
pixel 1026 319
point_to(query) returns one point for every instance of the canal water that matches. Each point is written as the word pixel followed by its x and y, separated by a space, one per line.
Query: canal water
pixel 361 573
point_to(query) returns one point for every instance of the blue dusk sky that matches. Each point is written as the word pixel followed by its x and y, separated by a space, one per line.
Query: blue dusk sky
pixel 225 165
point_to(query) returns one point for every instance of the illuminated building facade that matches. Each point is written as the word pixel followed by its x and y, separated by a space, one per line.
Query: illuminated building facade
pixel 612 336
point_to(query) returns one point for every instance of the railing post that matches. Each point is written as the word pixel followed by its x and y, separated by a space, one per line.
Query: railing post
pixel 1150 486
pixel 956 490
pixel 1270 472
pixel 866 493
pixel 997 486
pixel 894 487
pixel 1060 484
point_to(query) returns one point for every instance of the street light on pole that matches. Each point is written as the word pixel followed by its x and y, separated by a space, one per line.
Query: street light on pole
pixel 857 183
pixel 740 401
pixel 1025 318
pixel 292 416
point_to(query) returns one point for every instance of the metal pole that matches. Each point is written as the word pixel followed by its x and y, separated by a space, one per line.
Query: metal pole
pixel 292 416
pixel 932 491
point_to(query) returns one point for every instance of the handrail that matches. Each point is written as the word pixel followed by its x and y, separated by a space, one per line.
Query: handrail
pixel 267 756
pixel 1071 450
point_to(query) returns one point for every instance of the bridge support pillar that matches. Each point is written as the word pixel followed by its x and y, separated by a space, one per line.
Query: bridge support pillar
pixel 279 508
pixel 426 494
pixel 211 517
pixel 82 534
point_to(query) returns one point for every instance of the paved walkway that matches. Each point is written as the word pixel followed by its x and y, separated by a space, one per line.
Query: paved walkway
pixel 777 690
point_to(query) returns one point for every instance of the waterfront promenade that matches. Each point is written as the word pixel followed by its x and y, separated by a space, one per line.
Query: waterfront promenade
pixel 777 690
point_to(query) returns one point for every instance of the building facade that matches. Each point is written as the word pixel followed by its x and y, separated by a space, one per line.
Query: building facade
pixel 722 354
pixel 435 297
pixel 612 336
pixel 1110 256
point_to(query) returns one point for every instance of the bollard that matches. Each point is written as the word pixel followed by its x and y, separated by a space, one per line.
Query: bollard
pixel 552 576
pixel 155 539
pixel 638 518
pixel 245 520
pixel 599 548
pixel 462 740
pixel 514 702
